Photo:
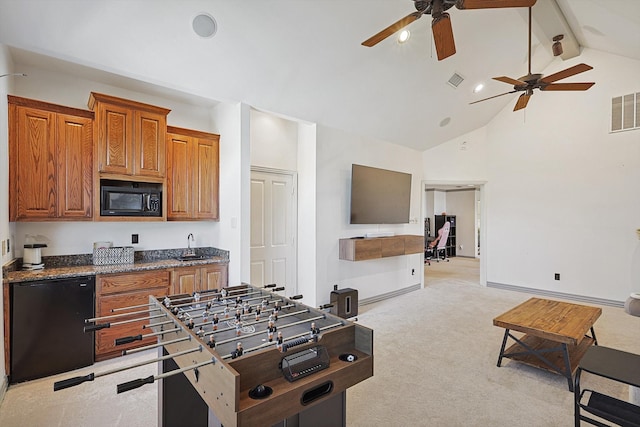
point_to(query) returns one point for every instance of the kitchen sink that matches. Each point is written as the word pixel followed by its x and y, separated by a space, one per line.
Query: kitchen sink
pixel 191 257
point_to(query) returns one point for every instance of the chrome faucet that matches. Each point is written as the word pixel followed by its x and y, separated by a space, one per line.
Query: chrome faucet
pixel 189 240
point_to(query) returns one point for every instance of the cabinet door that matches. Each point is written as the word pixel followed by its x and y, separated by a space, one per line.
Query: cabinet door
pixel 206 179
pixel 149 146
pixel 75 167
pixel 32 156
pixel 185 280
pixel 213 277
pixel 179 173
pixel 115 139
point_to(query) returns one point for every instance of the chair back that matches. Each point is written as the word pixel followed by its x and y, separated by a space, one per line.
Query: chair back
pixel 444 235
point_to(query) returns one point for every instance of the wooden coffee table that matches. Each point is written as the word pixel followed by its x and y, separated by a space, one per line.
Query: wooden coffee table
pixel 555 334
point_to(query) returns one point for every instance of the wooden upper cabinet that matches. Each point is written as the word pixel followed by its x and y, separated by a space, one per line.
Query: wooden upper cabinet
pixel 50 158
pixel 193 171
pixel 130 136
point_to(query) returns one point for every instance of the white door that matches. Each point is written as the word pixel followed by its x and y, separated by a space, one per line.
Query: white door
pixel 273 229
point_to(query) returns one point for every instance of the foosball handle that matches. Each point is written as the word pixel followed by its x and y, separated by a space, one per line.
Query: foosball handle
pixel 127 340
pixel 59 385
pixel 296 297
pixel 135 384
pixel 270 285
pixel 322 307
pixel 91 328
pixel 281 288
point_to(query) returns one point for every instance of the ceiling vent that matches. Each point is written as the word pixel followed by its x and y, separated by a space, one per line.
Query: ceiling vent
pixel 625 112
pixel 455 80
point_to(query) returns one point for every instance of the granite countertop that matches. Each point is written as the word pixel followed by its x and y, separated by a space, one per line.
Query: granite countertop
pixel 59 267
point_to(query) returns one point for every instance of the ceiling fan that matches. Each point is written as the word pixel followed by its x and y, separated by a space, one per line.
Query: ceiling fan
pixel 531 81
pixel 441 23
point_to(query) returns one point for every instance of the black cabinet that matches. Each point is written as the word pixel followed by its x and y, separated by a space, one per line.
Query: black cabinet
pixel 47 319
pixel 451 241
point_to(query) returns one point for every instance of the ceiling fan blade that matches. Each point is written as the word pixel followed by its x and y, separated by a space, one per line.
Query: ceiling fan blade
pixel 522 102
pixel 509 80
pixel 571 71
pixel 491 97
pixel 391 29
pixel 443 36
pixel 490 4
pixel 567 86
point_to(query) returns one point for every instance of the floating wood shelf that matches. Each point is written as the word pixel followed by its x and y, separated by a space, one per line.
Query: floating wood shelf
pixel 360 249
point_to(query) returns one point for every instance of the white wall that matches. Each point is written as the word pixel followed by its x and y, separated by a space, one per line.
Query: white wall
pixel 6 231
pixel 562 193
pixel 336 152
pixel 274 141
pixel 462 204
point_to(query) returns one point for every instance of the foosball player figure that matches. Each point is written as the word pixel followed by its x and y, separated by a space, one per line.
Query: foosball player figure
pixel 238 315
pixel 190 323
pixel 215 321
pixel 167 302
pixel 271 329
pixel 314 330
pixel 275 315
pixel 246 308
pixel 276 306
pixel 279 341
pixel 257 313
pixel 264 304
pixel 226 312
pixel 223 292
pixel 272 317
pixel 200 332
pixel 212 342
pixel 238 302
pixel 205 316
pixel 238 328
pixel 238 351
pixel 196 296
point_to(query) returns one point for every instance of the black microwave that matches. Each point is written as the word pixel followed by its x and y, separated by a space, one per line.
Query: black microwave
pixel 126 201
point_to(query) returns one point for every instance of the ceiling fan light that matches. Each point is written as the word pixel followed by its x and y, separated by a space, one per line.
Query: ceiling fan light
pixel 478 88
pixel 404 36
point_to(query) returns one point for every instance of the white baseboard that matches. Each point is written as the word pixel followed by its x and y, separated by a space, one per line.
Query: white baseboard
pixel 560 295
pixel 391 294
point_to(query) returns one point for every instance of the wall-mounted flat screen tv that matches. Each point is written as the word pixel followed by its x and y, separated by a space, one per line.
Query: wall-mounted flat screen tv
pixel 379 196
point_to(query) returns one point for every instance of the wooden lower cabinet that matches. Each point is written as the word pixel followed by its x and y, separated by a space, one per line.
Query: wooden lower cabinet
pixel 125 290
pixel 187 280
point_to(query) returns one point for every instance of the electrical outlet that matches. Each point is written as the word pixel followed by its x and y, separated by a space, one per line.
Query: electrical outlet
pixel 134 238
pixel 557 276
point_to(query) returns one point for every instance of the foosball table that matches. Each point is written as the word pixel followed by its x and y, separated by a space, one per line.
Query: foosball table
pixel 244 356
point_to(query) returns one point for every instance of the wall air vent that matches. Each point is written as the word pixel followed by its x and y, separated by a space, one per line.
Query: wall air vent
pixel 625 112
pixel 455 80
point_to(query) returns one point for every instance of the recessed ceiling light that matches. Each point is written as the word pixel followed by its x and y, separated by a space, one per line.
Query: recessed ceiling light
pixel 478 88
pixel 445 121
pixel 404 36
pixel 204 25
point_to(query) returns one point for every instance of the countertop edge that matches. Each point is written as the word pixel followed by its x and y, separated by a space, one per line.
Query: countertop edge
pixel 93 270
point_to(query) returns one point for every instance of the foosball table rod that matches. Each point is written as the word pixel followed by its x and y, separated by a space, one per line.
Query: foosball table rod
pixel 132 338
pixel 71 382
pixel 130 385
pixel 160 344
pixel 96 327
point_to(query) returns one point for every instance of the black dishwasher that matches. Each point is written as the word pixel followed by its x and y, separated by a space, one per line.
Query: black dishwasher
pixel 47 321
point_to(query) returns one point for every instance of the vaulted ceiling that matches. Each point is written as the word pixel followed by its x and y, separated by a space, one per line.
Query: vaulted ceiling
pixel 304 59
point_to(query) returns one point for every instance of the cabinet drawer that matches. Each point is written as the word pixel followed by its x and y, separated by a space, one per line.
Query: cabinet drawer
pixel 105 338
pixel 116 283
